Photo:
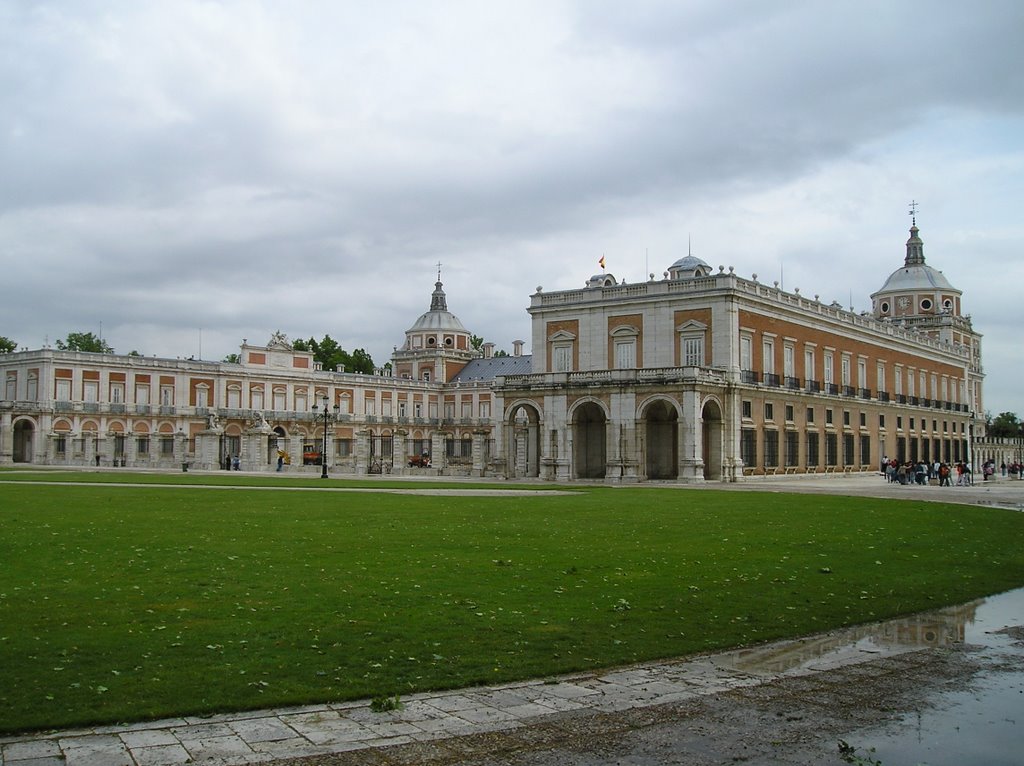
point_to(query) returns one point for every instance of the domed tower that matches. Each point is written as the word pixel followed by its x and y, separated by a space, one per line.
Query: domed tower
pixel 916 294
pixel 437 345
pixel 920 298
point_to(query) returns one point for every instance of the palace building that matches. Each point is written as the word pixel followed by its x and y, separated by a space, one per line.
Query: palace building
pixel 699 376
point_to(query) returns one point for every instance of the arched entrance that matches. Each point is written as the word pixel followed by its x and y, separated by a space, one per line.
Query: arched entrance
pixel 276 443
pixel 661 426
pixel 711 433
pixel 589 450
pixel 523 441
pixel 24 433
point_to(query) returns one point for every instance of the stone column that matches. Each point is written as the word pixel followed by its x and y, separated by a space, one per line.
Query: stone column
pixel 438 454
pixel 691 461
pixel 6 439
pixel 398 451
pixel 479 463
pixel 362 451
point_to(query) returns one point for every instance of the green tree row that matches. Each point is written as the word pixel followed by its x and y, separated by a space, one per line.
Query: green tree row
pixel 75 341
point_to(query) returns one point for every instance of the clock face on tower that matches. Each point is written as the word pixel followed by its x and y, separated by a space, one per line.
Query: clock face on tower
pixel 903 302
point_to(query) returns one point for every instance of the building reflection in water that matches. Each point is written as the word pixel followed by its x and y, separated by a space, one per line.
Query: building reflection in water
pixel 943 627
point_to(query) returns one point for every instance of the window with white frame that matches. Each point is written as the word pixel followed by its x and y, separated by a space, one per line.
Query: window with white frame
pixel 485 409
pixel 33 386
pixel 923 380
pixel 788 361
pixel 562 351
pixel 63 390
pixel 91 390
pixel 862 373
pixel 768 356
pixel 12 386
pixel 142 393
pixel 845 370
pixel 235 397
pixel 829 368
pixel 202 396
pixel 693 351
pixel 256 398
pixel 898 381
pixel 344 404
pixel 692 343
pixel 624 340
pixel 402 410
pixel 910 383
pixel 746 352
pixel 117 393
pixel 166 395
pixel 881 377
pixel 280 399
pixel 809 364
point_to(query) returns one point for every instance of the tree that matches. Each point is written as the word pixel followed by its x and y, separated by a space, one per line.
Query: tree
pixel 84 341
pixel 7 345
pixel 232 359
pixel 1004 425
pixel 300 345
pixel 476 342
pixel 332 356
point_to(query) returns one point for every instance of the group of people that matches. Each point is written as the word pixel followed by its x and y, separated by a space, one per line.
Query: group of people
pixel 1014 470
pixel 921 472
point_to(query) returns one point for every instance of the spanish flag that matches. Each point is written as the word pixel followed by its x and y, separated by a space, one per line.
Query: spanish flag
pixel 601 263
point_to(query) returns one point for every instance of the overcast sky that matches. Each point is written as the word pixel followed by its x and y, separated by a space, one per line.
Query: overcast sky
pixel 181 175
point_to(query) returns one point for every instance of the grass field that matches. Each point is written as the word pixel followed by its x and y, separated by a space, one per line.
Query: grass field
pixel 124 603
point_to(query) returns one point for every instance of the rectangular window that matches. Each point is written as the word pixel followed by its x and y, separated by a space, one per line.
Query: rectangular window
pixel 63 390
pixel 813 457
pixel 417 409
pixel 234 398
pixel 789 413
pixel 863 420
pixel 625 354
pixel 370 407
pixel 12 386
pixel 746 353
pixel 771 449
pixel 256 397
pixel 693 352
pixel 748 446
pixel 828 416
pixel 90 391
pixel 848 457
pixel 788 361
pixel 792 448
pixel 768 352
pixel 865 450
pixel 862 374
pixel 810 414
pixel 117 393
pixel 279 400
pixel 203 397
pixel 829 368
pixel 561 358
pixel 898 382
pixel 167 446
pixel 33 386
pixel 467 410
pixel 142 446
pixel 385 408
pixel 485 410
pixel 880 382
pixel 769 411
pixel 809 364
pixel 881 421
pixel 846 370
pixel 831 449
pixel 846 417
pixel 747 409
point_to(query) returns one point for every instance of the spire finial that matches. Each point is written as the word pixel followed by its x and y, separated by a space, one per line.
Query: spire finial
pixel 438 271
pixel 913 212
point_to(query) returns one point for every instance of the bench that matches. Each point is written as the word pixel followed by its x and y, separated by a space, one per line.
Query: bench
pixel 790 470
pixel 830 469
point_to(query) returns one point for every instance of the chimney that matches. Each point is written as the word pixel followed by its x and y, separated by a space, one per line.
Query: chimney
pixel 488 350
pixel 517 347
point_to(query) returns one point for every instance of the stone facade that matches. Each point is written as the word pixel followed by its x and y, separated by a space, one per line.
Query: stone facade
pixel 698 376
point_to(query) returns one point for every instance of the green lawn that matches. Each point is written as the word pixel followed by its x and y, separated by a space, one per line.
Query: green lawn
pixel 124 603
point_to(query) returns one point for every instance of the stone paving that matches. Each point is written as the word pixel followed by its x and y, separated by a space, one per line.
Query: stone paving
pixel 316 730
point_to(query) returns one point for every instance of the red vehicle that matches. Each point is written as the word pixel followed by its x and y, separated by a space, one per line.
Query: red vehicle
pixel 420 461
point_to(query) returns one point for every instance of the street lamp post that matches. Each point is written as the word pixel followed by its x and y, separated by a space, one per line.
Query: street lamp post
pixel 327 416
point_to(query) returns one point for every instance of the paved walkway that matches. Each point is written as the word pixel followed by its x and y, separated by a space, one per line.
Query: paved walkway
pixel 317 730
